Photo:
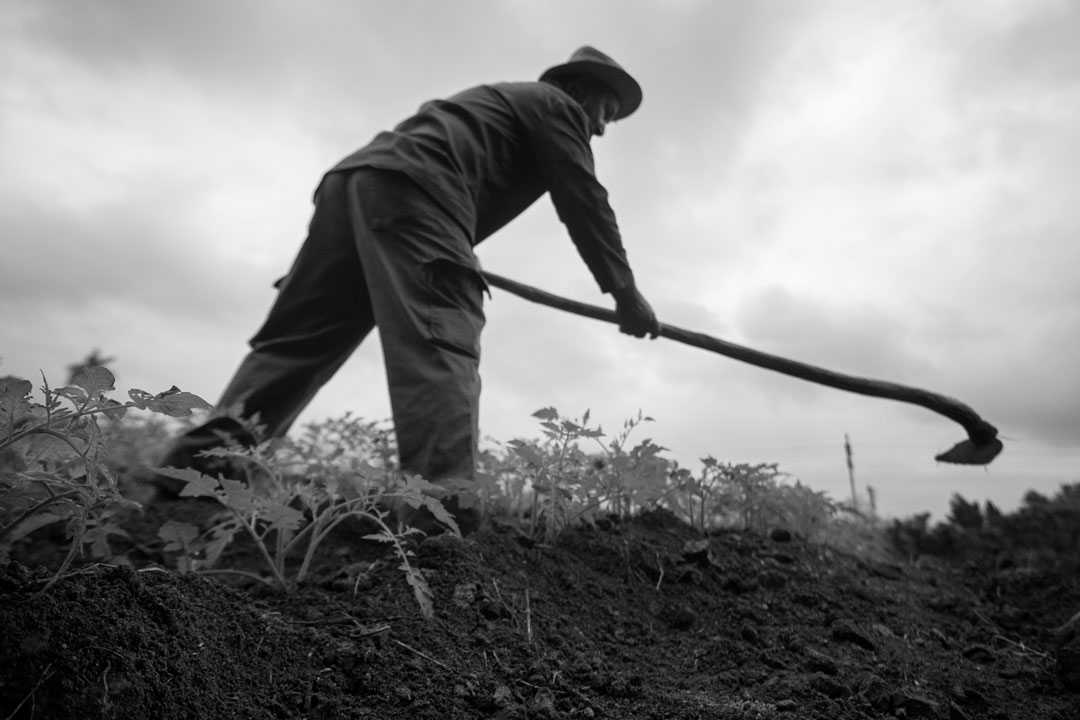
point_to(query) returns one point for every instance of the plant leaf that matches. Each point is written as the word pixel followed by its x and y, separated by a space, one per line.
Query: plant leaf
pixel 55 513
pixel 14 401
pixel 98 539
pixel 198 485
pixel 283 517
pixel 238 496
pixel 527 452
pixel 421 591
pixel 112 409
pixel 173 402
pixel 222 534
pixel 548 413
pixel 441 514
pixel 94 379
pixel 74 393
pixel 178 536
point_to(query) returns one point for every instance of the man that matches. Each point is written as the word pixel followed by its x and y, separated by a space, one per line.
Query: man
pixel 391 242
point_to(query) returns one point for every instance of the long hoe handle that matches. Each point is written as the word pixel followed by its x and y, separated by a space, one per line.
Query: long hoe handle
pixel 981 447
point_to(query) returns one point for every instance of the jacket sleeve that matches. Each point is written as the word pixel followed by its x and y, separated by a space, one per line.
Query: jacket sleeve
pixel 560 139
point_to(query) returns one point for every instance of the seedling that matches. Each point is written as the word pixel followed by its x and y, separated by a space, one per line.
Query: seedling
pixel 52 457
pixel 289 502
pixel 570 485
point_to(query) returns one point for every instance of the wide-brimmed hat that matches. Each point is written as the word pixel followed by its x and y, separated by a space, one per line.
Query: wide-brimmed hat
pixel 590 61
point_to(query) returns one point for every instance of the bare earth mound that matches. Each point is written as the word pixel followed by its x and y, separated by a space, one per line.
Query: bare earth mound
pixel 631 621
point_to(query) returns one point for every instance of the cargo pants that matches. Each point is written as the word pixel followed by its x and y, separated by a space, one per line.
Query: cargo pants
pixel 380 253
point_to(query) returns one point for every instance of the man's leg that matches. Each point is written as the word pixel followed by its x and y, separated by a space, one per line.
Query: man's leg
pixel 320 315
pixel 429 309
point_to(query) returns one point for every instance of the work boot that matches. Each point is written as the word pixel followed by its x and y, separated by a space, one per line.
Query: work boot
pixel 184 453
pixel 422 519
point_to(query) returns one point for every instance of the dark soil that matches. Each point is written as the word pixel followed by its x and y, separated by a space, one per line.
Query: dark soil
pixel 630 621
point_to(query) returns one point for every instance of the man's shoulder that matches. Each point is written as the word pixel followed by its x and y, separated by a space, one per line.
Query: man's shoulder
pixel 513 93
pixel 536 102
pixel 528 92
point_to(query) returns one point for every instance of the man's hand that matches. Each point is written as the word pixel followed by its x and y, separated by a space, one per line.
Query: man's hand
pixel 636 316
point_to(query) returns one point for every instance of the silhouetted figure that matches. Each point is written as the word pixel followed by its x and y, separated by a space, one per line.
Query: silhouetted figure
pixel 390 245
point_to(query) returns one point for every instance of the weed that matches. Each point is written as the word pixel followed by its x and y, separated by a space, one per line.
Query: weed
pixel 698 497
pixel 287 496
pixel 293 496
pixel 628 480
pixel 557 469
pixel 53 457
pixel 569 484
pixel 749 497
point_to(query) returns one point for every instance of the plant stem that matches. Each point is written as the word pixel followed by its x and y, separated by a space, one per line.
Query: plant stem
pixel 45 675
pixel 51 417
pixel 7 529
pixel 426 657
pixel 248 527
pixel 318 536
pixel 76 544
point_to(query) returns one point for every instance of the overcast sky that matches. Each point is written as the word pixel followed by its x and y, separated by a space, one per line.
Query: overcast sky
pixel 885 189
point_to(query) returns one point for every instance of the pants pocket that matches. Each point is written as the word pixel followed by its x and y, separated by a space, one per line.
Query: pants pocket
pixel 456 307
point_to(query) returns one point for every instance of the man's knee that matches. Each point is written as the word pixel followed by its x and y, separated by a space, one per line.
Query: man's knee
pixel 455 307
pixel 438 428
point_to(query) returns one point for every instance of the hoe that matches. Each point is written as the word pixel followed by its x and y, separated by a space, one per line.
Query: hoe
pixel 981 446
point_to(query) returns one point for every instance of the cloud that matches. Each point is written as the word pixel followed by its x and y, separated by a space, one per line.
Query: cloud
pixel 857 336
pixel 1025 379
pixel 123 253
pixel 882 189
pixel 1013 48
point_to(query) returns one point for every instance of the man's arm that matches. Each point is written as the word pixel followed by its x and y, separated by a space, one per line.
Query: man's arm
pixel 560 140
pixel 561 143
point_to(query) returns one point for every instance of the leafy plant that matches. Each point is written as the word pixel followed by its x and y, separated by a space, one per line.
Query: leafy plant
pixel 344 445
pixel 748 494
pixel 699 497
pixel 801 509
pixel 52 457
pixel 556 469
pixel 628 480
pixel 1042 531
pixel 749 497
pixel 293 495
pixel 501 487
pixel 569 484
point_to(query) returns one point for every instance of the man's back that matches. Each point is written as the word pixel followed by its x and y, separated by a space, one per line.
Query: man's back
pixel 487 153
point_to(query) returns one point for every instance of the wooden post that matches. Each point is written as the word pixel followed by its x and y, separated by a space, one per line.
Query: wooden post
pixel 851 471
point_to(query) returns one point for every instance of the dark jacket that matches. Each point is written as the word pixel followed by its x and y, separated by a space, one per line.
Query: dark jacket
pixel 488 153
